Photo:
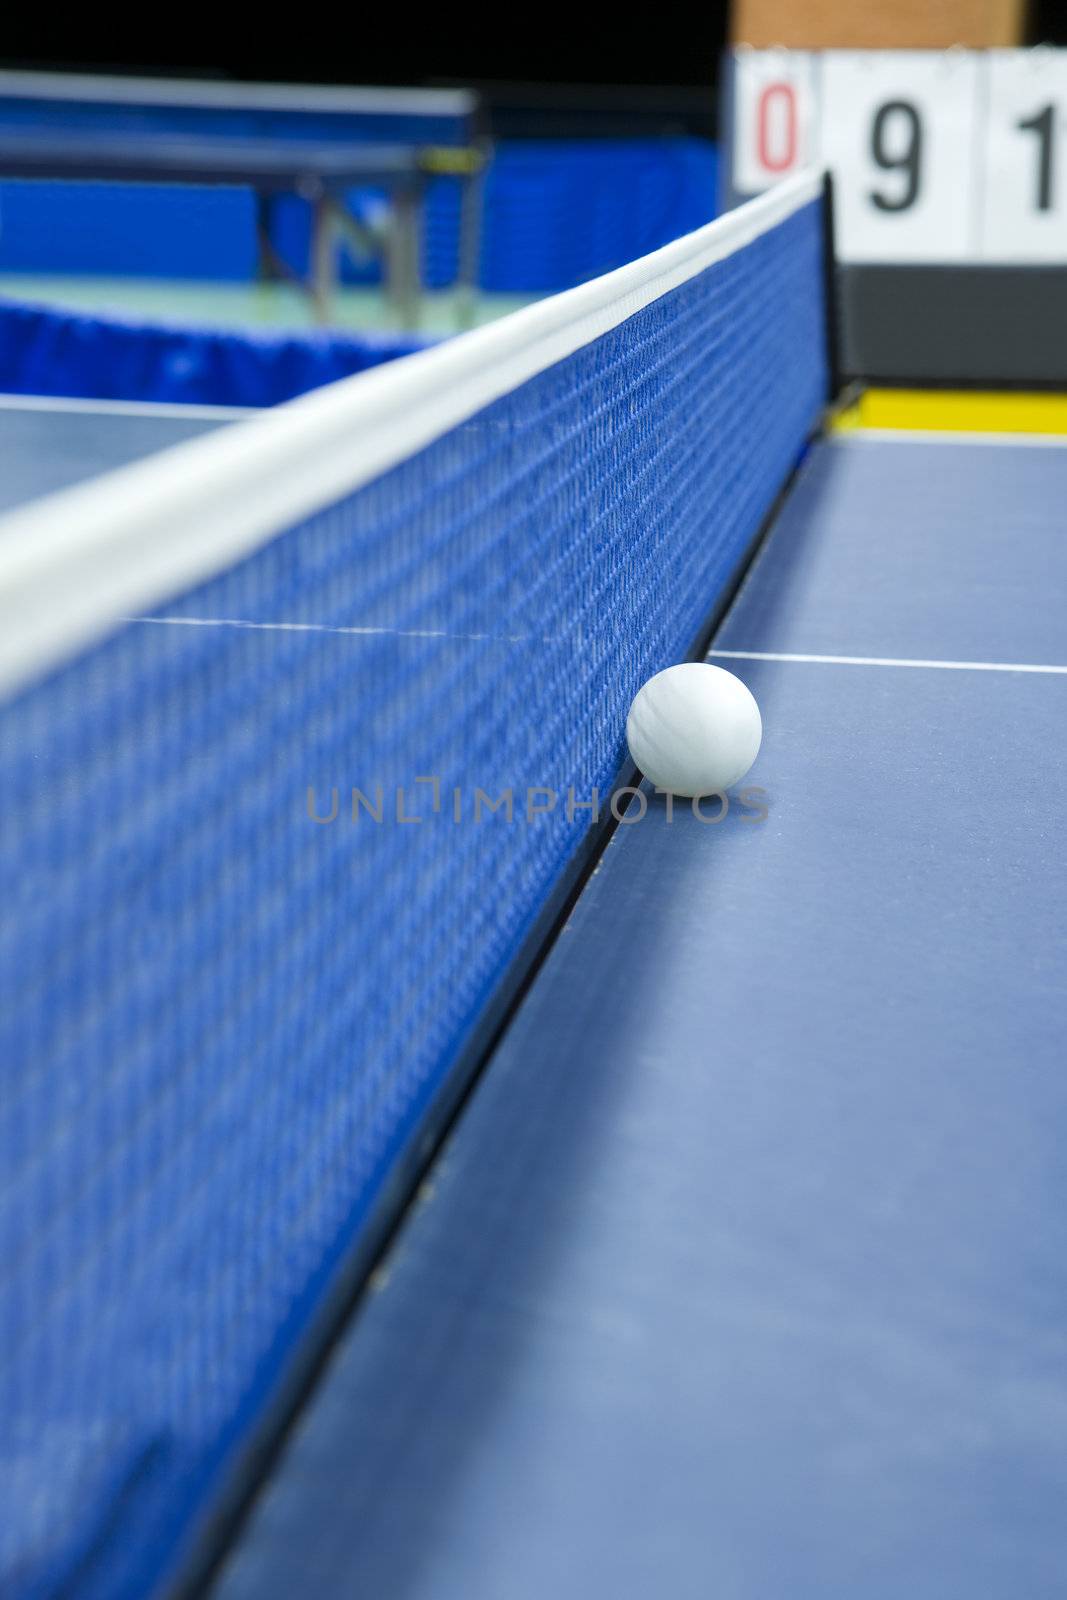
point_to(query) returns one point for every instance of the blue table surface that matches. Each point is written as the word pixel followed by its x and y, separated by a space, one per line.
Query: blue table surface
pixel 160 155
pixel 49 445
pixel 82 104
pixel 744 1273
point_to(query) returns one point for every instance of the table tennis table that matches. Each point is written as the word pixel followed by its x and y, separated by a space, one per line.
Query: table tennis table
pixel 318 144
pixel 659 1199
pixel 735 1291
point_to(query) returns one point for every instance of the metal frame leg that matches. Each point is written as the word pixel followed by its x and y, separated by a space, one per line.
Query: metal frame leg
pixel 323 259
pixel 264 237
pixel 468 266
pixel 403 276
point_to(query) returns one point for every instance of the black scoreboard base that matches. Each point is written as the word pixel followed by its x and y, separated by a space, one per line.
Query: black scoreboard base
pixel 956 325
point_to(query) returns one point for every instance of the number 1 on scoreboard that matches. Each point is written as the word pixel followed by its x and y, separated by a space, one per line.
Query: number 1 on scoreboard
pixel 1025 212
pixel 774 116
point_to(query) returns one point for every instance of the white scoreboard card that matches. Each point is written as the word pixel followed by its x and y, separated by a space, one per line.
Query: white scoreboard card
pixel 898 131
pixel 1024 215
pixel 775 121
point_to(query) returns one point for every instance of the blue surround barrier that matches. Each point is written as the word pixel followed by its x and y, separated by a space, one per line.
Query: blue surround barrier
pixel 555 214
pixel 44 351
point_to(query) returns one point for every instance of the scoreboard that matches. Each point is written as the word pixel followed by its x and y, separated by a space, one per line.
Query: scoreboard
pixel 937 156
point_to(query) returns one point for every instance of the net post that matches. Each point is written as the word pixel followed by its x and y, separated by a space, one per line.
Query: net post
pixel 835 377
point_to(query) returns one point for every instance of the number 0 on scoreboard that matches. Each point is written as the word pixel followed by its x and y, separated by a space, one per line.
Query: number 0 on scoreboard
pixel 774 117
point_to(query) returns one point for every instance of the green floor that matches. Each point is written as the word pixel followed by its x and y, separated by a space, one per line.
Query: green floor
pixel 239 305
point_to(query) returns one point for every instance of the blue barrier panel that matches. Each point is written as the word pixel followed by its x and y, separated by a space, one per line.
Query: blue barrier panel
pixel 556 214
pixel 135 230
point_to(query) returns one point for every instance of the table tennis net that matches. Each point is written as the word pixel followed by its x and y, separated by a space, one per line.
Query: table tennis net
pixel 229 992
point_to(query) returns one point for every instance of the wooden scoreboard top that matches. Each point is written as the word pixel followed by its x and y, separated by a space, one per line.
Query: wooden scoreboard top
pixel 905 24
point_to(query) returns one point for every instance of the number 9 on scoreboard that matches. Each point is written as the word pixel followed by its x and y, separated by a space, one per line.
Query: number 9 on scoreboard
pixel 900 134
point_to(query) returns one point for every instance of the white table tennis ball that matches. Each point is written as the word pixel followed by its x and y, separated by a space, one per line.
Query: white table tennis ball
pixel 694 729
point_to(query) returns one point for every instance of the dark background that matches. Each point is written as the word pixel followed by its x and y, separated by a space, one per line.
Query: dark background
pixel 635 73
pixel 670 48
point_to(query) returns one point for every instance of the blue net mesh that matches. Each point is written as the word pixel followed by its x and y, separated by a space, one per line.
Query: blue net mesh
pixel 222 1019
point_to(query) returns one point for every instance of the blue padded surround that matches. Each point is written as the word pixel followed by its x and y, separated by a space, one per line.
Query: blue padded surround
pixel 220 1020
pixel 45 351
